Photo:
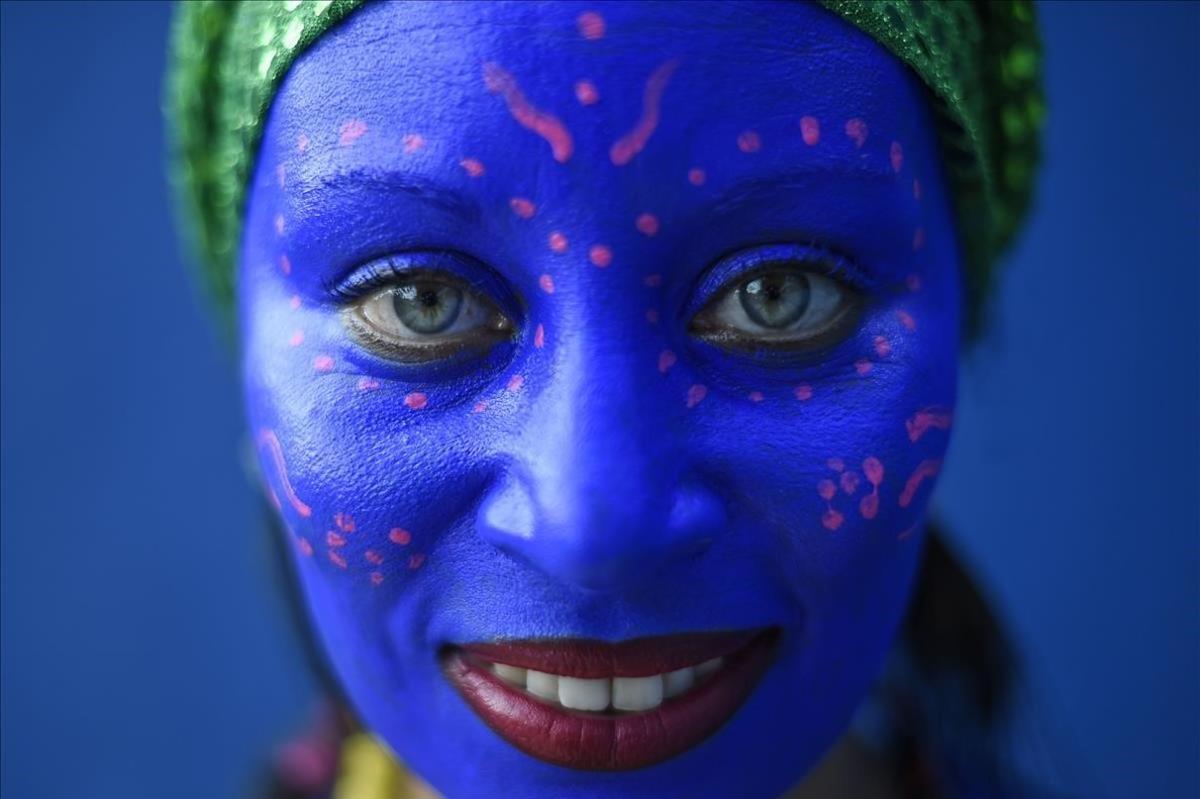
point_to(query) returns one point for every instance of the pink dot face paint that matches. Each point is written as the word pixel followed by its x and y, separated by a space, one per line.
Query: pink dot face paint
pixel 590 181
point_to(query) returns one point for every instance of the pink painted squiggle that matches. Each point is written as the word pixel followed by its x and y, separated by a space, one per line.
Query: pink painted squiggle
pixel 500 81
pixel 268 438
pixel 924 470
pixel 629 145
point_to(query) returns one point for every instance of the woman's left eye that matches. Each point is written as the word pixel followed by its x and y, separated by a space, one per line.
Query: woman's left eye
pixel 425 317
pixel 784 307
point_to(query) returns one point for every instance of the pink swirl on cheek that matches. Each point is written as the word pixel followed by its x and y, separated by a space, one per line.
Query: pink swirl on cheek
pixel 267 438
pixel 924 420
pixel 632 143
pixel 924 471
pixel 499 81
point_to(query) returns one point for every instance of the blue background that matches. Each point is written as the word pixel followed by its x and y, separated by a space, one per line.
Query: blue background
pixel 146 650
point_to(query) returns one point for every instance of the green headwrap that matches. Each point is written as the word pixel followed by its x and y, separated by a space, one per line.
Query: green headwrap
pixel 980 61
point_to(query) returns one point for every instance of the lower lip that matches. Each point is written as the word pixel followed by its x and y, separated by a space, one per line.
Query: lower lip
pixel 610 742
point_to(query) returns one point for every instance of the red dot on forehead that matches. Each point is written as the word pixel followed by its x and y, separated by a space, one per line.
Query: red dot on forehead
pixel 591 25
pixel 600 255
pixel 810 130
pixel 586 92
pixel 522 207
pixel 748 141
pixel 647 223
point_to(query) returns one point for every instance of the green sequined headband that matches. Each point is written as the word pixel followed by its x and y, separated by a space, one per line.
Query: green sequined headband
pixel 980 60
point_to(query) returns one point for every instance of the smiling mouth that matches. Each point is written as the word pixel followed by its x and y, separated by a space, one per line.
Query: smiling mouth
pixel 602 706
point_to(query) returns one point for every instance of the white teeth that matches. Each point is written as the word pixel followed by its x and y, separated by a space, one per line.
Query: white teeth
pixel 514 675
pixel 618 693
pixel 637 693
pixel 676 682
pixel 541 684
pixel 583 694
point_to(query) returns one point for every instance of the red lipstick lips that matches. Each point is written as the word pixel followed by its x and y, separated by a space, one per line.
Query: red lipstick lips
pixel 610 706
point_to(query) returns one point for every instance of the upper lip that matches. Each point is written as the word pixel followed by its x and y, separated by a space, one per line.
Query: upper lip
pixel 590 659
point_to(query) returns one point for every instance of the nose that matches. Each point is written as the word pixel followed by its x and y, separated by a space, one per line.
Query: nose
pixel 597 492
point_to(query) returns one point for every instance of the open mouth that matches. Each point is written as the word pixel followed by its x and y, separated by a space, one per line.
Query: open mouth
pixel 610 706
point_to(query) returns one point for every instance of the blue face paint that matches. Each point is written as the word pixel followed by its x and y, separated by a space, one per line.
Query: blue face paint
pixel 575 326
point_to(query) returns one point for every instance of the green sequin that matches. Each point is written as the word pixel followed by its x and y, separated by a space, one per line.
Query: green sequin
pixel 980 59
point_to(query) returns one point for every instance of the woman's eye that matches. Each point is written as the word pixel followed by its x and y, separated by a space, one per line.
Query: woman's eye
pixel 426 317
pixel 788 308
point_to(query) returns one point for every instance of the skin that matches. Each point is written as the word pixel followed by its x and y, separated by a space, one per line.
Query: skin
pixel 604 470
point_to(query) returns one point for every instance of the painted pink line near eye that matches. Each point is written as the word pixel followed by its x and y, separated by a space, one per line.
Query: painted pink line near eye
pixel 632 143
pixel 924 471
pixel 591 25
pixel 267 438
pixel 499 81
pixel 586 92
pixel 352 130
pixel 926 419
pixel 810 130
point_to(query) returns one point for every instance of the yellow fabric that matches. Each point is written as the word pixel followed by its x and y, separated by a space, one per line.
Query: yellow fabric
pixel 368 771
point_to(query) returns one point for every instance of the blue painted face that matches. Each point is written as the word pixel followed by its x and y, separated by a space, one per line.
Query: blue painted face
pixel 562 326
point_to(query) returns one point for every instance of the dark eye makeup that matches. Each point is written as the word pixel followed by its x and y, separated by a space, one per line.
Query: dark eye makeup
pixel 422 308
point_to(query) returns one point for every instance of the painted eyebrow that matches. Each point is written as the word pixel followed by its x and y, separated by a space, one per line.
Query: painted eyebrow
pixel 387 185
pixel 763 188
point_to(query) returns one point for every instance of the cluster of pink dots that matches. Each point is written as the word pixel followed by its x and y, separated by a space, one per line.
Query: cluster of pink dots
pixel 339 536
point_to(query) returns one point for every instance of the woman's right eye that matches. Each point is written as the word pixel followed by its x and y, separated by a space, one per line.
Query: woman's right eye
pixel 425 317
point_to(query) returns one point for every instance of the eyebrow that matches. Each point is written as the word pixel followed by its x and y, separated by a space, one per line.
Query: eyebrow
pixel 388 184
pixel 766 187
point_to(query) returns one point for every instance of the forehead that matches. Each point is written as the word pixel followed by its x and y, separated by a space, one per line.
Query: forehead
pixel 581 77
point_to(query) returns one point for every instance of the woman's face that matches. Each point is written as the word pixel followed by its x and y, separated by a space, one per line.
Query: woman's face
pixel 600 346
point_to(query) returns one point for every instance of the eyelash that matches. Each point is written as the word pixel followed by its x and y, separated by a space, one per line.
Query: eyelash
pixel 741 264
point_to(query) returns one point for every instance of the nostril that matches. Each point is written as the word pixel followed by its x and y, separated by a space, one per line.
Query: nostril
pixel 697 517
